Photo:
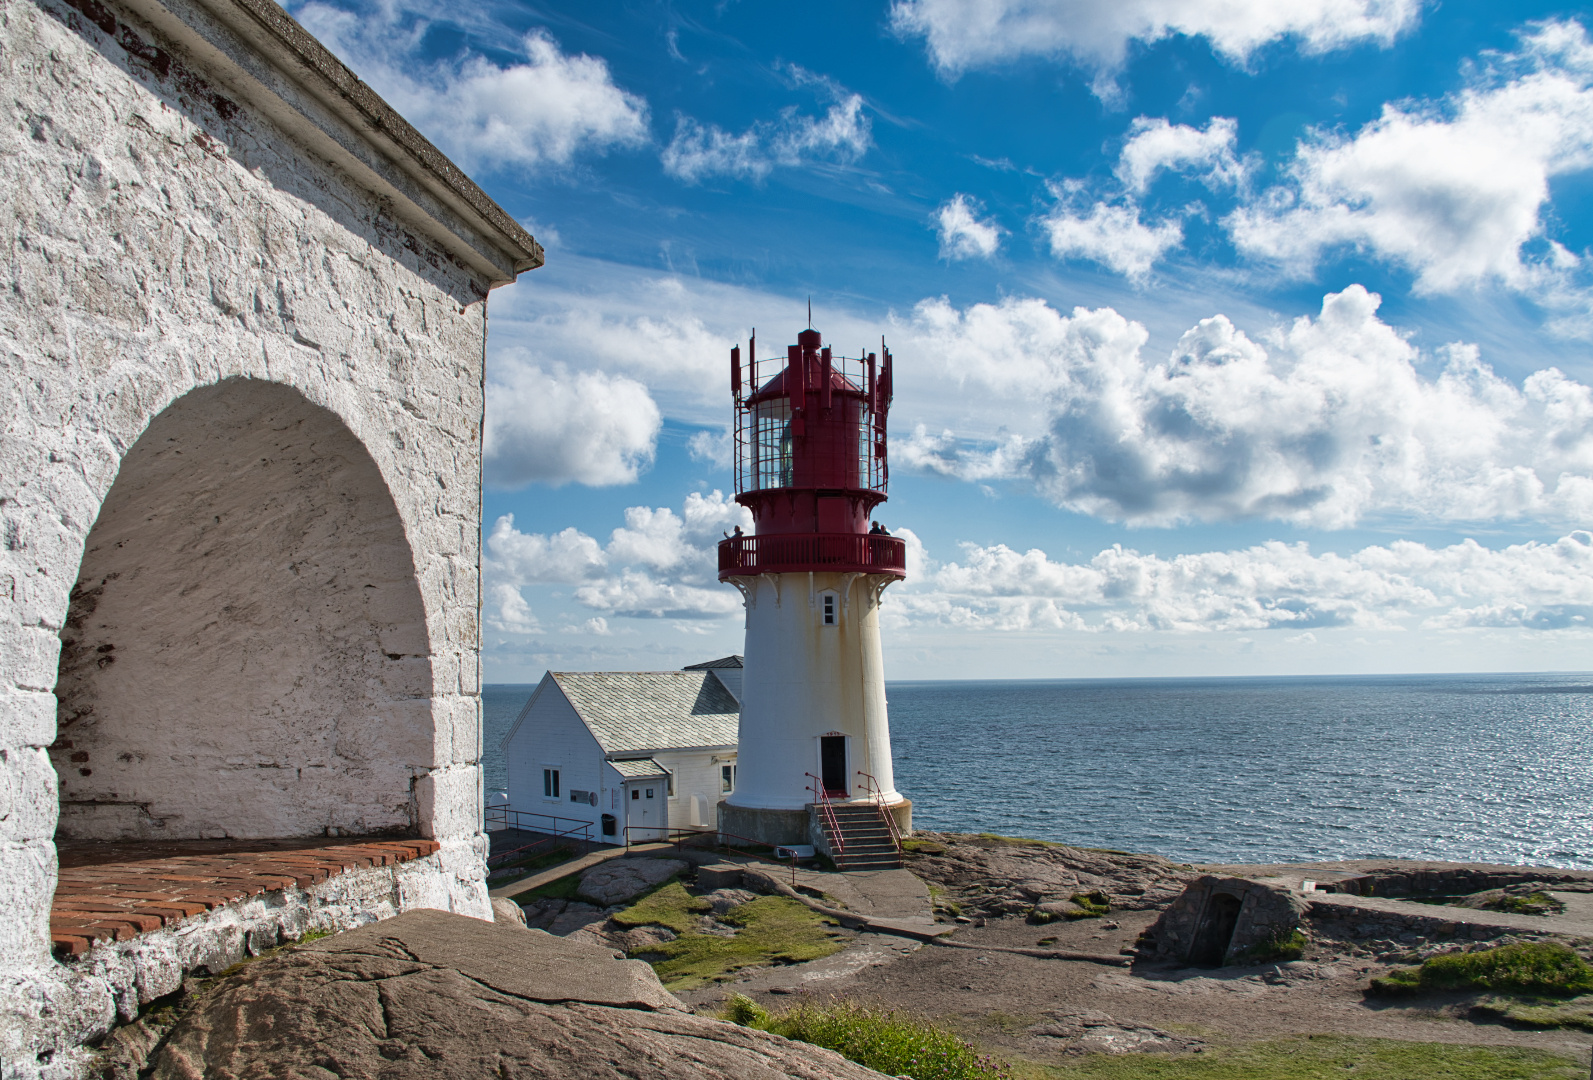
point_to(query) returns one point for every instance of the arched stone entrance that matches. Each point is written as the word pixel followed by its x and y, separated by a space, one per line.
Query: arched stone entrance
pixel 245 654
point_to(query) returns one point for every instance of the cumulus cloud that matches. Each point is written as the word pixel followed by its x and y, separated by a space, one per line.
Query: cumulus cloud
pixel 540 112
pixel 1324 422
pixel 716 448
pixel 1112 235
pixel 962 234
pixel 509 611
pixel 1154 144
pixel 1455 190
pixel 659 564
pixel 554 426
pixel 700 151
pixel 1272 586
pixel 965 34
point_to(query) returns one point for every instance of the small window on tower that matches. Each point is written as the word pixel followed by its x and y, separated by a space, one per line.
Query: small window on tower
pixel 827 605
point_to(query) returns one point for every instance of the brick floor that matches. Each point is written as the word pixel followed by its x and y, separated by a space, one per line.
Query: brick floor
pixel 113 891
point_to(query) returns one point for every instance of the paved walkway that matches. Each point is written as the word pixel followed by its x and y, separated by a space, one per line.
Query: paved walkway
pixel 1576 920
pixel 116 890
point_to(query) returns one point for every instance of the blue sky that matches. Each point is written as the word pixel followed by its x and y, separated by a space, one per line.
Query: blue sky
pixel 1233 337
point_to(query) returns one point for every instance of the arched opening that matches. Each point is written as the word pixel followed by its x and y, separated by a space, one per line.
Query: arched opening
pixel 245 654
pixel 1216 931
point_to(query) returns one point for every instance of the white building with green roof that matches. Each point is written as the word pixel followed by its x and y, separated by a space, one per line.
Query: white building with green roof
pixel 632 752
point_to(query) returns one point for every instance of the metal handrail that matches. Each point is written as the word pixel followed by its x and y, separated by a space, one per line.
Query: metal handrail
pixel 873 553
pixel 503 815
pixel 871 786
pixel 822 799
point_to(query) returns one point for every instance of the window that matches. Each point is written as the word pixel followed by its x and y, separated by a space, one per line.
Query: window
pixel 829 609
pixel 649 793
pixel 727 778
pixel 636 793
pixel 550 783
pixel 588 797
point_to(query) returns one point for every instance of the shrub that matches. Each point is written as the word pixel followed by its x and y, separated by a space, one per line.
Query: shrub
pixel 1528 967
pixel 880 1039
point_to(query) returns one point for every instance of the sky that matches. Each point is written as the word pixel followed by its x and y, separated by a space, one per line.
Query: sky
pixel 1232 337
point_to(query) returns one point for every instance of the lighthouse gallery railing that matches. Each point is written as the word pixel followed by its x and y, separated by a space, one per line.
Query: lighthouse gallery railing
pixel 867 553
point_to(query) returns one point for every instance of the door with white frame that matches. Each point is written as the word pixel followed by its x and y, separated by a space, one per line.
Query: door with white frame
pixel 646 810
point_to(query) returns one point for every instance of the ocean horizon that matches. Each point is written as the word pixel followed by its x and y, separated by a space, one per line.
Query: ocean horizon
pixel 1242 769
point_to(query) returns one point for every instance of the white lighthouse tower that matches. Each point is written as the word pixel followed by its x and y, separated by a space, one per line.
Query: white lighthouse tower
pixel 814 760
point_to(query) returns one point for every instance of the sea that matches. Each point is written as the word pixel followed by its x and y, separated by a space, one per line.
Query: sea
pixel 1470 768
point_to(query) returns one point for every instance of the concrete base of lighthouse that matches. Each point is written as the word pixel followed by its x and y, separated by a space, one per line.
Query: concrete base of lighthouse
pixel 776 827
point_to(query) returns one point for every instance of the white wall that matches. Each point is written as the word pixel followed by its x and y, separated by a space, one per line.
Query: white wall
pixel 163 235
pixel 549 733
pixel 803 679
pixel 696 772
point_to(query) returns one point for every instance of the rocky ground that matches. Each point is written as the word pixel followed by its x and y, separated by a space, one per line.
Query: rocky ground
pixel 1049 1010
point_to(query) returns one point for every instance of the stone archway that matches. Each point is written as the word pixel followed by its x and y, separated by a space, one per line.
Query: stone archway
pixel 245 653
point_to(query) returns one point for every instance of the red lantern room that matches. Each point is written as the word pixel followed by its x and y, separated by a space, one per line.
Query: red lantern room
pixel 810 462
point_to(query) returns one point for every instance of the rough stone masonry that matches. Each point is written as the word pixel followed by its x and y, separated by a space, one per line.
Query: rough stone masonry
pixel 242 325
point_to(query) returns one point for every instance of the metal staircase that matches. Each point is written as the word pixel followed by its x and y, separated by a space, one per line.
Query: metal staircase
pixel 865 841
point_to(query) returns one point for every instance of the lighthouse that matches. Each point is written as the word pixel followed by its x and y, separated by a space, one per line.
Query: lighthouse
pixel 814 756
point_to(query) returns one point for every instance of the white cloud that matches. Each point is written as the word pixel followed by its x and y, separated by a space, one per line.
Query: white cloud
pixel 1324 422
pixel 965 34
pixel 716 448
pixel 1271 586
pixel 1111 235
pixel 555 426
pixel 541 112
pixel 513 614
pixel 701 151
pixel 962 234
pixel 1154 144
pixel 1454 191
pixel 659 564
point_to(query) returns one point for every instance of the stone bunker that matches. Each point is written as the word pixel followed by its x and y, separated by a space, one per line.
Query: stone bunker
pixel 240 462
pixel 1223 920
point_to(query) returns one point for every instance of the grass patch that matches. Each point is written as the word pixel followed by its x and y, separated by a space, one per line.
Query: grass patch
pixel 1290 946
pixel 1321 1057
pixel 668 905
pixel 939 904
pixel 888 1042
pixel 1544 968
pixel 1537 1013
pixel 770 930
pixel 562 889
pixel 923 847
pixel 1534 903
pixel 532 864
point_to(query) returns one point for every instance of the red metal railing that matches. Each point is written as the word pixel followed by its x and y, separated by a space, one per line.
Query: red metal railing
pixel 821 799
pixel 866 553
pixel 871 787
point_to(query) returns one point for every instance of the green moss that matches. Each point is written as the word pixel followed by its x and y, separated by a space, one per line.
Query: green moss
pixel 1537 1013
pixel 770 930
pixel 313 935
pixel 1529 967
pixel 923 847
pixel 1321 1057
pixel 1020 841
pixel 667 905
pixel 1290 946
pixel 889 1042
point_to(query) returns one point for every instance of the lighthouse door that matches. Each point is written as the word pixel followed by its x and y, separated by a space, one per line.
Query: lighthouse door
pixel 832 764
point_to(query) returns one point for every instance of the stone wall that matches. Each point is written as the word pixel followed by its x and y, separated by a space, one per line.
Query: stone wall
pixel 240 452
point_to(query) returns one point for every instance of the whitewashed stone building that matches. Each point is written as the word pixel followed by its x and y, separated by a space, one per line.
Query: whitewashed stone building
pixel 242 330
pixel 645 751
